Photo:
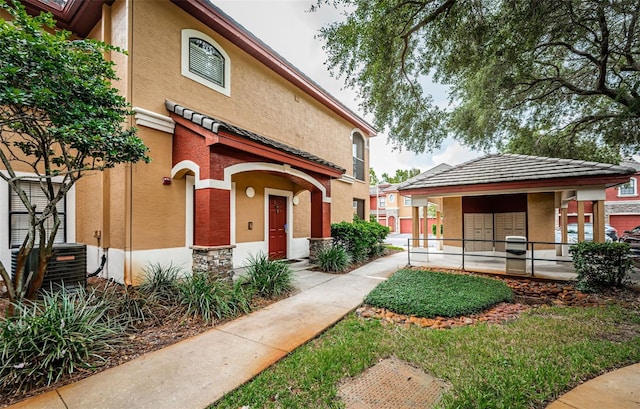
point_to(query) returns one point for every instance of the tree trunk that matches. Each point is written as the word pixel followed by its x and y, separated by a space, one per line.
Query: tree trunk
pixel 44 255
pixel 19 274
pixel 10 288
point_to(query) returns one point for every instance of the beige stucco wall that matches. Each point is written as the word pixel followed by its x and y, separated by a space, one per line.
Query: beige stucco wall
pixel 89 212
pixel 150 74
pixel 452 213
pixel 403 211
pixel 342 195
pixel 389 205
pixel 100 207
pixel 302 215
pixel 158 211
pixel 260 100
pixel 540 223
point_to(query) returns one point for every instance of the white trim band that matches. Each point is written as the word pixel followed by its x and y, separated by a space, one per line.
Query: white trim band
pixel 154 120
pixel 244 167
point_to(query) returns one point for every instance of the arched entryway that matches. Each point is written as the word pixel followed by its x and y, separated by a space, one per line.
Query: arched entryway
pixel 214 152
pixel 391 223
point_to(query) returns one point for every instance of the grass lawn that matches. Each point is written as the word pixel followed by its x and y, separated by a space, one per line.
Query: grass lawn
pixel 523 364
pixel 429 294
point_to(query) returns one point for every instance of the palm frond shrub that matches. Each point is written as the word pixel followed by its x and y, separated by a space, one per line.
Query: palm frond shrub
pixel 268 278
pixel 160 283
pixel 55 336
pixel 333 258
pixel 213 299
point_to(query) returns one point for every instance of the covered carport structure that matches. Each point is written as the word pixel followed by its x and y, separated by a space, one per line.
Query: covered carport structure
pixel 482 201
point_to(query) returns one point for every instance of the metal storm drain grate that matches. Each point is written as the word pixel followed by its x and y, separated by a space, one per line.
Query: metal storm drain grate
pixel 392 384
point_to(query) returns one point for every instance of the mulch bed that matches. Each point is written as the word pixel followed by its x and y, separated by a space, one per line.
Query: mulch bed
pixel 529 293
pixel 166 328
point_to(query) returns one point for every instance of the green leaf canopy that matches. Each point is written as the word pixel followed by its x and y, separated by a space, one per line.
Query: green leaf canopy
pixel 545 77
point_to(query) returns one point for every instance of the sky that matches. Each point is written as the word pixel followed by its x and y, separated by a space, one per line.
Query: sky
pixel 290 29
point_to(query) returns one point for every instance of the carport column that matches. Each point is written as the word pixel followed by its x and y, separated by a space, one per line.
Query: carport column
pixel 560 249
pixel 439 230
pixel 320 225
pixel 580 221
pixel 425 226
pixel 415 226
pixel 598 221
pixel 212 249
pixel 564 221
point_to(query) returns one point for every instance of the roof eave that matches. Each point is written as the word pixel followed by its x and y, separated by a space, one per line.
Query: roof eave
pixel 77 16
pixel 552 184
pixel 219 132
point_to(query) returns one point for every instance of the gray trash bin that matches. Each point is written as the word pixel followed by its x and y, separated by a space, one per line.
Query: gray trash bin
pixel 516 249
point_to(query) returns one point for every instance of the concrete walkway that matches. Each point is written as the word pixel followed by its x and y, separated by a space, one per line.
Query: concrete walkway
pixel 619 389
pixel 196 372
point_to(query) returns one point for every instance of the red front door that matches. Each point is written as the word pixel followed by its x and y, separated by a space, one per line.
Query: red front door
pixel 277 227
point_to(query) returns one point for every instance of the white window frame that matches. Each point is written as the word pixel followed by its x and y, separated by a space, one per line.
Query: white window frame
pixel 407 200
pixel 70 219
pixel 358 135
pixel 382 202
pixel 634 184
pixel 187 34
pixel 61 234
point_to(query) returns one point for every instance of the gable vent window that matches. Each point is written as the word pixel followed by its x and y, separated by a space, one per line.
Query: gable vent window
pixel 205 61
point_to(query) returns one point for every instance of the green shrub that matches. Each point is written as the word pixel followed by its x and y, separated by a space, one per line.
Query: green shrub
pixel 269 278
pixel 55 336
pixel 160 283
pixel 430 294
pixel 212 298
pixel 601 265
pixel 360 238
pixel 378 250
pixel 333 258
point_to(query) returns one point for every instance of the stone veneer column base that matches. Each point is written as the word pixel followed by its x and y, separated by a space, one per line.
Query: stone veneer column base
pixel 216 261
pixel 316 245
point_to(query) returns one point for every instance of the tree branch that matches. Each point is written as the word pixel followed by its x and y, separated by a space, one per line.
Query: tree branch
pixel 630 37
pixel 570 48
pixel 444 7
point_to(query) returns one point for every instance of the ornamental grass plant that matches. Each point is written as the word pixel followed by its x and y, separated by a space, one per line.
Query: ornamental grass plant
pixel 213 298
pixel 160 282
pixel 334 258
pixel 55 336
pixel 268 278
